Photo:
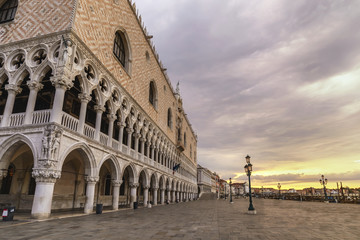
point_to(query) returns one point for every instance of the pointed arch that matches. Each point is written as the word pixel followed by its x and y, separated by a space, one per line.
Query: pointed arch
pixel 153 94
pixel 8 11
pixel 11 144
pixel 116 168
pixel 132 172
pixel 122 49
pixel 87 156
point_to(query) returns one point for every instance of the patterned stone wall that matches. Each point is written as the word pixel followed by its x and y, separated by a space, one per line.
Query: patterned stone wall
pixel 96 23
pixel 37 17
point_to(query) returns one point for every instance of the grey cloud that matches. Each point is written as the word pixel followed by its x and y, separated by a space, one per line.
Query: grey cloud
pixel 240 65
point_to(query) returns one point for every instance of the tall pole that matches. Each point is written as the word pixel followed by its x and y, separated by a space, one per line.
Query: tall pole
pixel 231 201
pixel 251 207
pixel 323 181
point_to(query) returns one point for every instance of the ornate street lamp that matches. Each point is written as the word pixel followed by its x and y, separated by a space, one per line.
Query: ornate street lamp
pixel 231 201
pixel 225 189
pixel 248 170
pixel 323 181
pixel 279 187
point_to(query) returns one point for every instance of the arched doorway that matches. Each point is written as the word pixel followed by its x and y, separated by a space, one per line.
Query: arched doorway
pixel 125 188
pixel 18 185
pixel 104 188
pixel 70 189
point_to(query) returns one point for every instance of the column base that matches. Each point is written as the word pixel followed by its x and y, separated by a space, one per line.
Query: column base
pixel 149 205
pixel 251 212
pixel 40 215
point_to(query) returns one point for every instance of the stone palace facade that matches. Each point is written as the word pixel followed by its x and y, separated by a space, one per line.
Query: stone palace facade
pixel 87 111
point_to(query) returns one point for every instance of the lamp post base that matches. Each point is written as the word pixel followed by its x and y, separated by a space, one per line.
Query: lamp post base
pixel 251 212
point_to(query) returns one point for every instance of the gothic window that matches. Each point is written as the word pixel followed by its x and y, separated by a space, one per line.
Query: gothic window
pixel 119 48
pixel 3 95
pixel 8 10
pixel 90 111
pixel 116 128
pixel 104 128
pixel 45 96
pixel 153 94
pixel 184 139
pixel 72 103
pixel 21 98
pixel 169 118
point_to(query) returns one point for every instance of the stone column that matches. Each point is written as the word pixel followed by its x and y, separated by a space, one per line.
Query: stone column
pixel 177 196
pixel 34 89
pixel 146 195
pixel 12 90
pixel 137 136
pixel 129 131
pixel 142 140
pixel 121 133
pixel 173 198
pixel 168 195
pixel 162 196
pixel 90 194
pixel 85 99
pixel 133 187
pixel 115 193
pixel 111 118
pixel 152 151
pixel 155 196
pixel 61 86
pixel 99 111
pixel 45 182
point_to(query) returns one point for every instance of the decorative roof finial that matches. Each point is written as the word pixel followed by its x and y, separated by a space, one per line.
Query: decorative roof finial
pixel 178 88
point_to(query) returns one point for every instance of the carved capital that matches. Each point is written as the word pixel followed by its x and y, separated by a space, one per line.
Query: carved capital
pixel 34 85
pixel 61 83
pixel 155 188
pixel 90 179
pixel 146 187
pixel 134 185
pixel 111 117
pixel 46 175
pixel 129 130
pixel 84 97
pixel 99 108
pixel 121 124
pixel 116 183
pixel 13 88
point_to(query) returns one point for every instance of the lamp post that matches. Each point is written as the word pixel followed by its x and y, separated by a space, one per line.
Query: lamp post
pixel 231 201
pixel 279 187
pixel 225 189
pixel 323 181
pixel 248 170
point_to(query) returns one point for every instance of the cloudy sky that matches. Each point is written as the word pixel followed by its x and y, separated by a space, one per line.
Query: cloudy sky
pixel 278 80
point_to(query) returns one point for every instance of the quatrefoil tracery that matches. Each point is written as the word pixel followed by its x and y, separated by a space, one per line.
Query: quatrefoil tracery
pixel 18 61
pixel 39 56
pixel 103 85
pixel 90 73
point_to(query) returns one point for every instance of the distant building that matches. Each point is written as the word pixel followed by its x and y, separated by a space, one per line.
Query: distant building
pixel 204 180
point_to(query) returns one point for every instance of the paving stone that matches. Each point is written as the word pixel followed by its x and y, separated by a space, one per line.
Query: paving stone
pixel 212 219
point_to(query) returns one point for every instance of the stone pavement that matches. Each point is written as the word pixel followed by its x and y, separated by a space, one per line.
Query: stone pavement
pixel 212 219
